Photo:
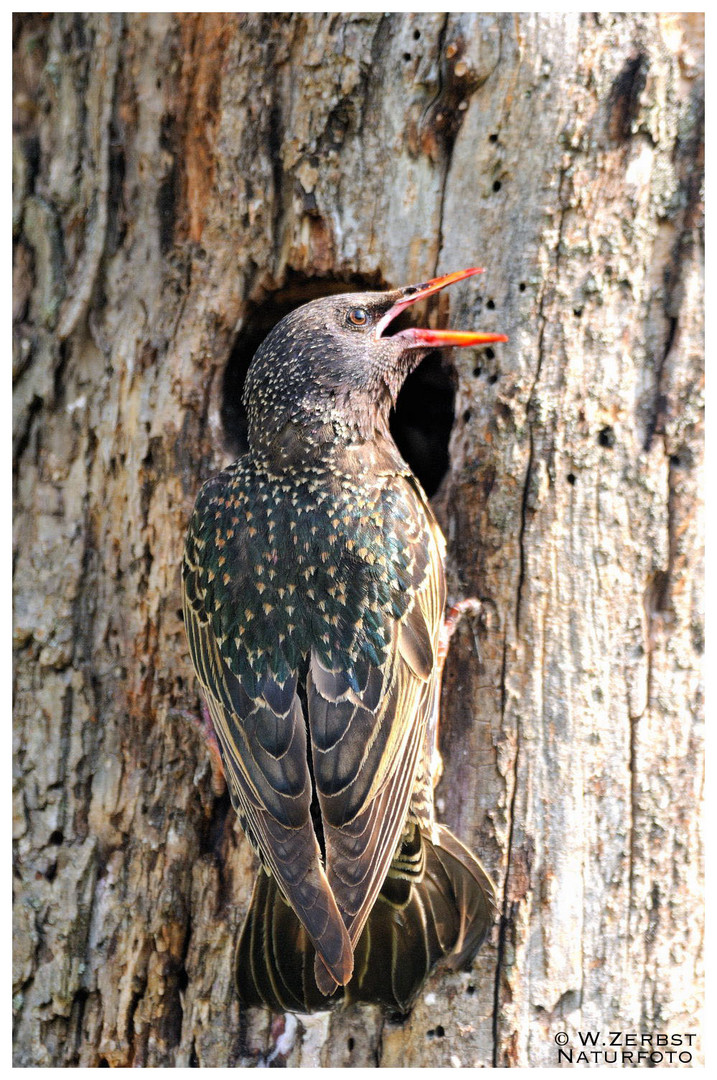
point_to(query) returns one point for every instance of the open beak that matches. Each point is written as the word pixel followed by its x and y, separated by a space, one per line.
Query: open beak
pixel 434 339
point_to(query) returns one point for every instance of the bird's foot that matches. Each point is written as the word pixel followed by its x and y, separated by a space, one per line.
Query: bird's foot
pixel 471 606
pixel 206 727
pixel 215 758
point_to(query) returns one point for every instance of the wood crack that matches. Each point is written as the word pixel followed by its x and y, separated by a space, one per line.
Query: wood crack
pixel 529 409
pixel 446 159
pixel 80 289
pixel 504 915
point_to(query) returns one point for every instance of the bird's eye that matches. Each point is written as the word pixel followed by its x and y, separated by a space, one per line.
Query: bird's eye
pixel 358 316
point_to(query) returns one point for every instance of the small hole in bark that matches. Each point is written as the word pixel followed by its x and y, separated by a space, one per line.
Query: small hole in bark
pixel 657 593
pixel 493 138
pixel 572 478
pixel 497 185
pixel 56 837
pixel 416 35
pixel 577 312
pixel 478 371
pixel 212 837
pixel 407 56
pixel 440 1031
pixel 103 1063
pixel 683 458
pixel 491 305
pixel 522 286
pixel 466 416
pixel 180 614
pixel 606 438
pixel 470 989
pixel 624 99
pixel 350 1043
pixel 489 354
pixel 493 379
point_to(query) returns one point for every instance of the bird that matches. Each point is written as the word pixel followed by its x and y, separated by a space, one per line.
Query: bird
pixel 314 593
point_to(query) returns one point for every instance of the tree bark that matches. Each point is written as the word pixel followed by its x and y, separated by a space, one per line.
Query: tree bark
pixel 179 178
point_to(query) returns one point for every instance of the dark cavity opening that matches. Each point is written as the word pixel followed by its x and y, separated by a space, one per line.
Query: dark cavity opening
pixel 422 420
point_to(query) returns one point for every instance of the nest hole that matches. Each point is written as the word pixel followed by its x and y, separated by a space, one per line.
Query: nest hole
pixel 422 422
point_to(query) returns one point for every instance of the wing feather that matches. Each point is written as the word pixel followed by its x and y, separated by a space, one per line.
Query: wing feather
pixel 366 745
pixel 263 746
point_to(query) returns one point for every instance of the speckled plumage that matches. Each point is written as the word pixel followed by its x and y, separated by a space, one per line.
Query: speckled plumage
pixel 320 558
pixel 313 594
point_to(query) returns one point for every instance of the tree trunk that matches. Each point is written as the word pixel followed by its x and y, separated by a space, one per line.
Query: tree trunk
pixel 180 182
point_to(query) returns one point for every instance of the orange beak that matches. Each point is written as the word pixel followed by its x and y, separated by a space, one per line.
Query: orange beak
pixel 434 339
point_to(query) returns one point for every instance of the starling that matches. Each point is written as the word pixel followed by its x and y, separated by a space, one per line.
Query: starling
pixel 314 593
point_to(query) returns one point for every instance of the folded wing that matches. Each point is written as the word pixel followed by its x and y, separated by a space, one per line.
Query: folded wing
pixel 366 743
pixel 262 738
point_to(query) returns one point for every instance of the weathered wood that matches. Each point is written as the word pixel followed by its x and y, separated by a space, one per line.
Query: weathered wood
pixel 174 173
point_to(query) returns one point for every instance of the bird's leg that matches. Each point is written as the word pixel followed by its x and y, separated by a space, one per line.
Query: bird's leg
pixel 215 757
pixel 450 625
pixel 206 727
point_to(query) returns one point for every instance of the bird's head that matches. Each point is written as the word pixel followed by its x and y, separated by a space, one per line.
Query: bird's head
pixel 333 368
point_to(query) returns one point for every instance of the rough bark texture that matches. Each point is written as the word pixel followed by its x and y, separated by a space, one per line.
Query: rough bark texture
pixel 175 177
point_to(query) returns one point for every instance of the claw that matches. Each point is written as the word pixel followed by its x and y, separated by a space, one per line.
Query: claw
pixel 450 625
pixel 219 781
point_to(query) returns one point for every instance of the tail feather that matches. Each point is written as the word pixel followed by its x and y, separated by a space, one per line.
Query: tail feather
pixel 437 904
pixel 275 956
pixel 474 891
